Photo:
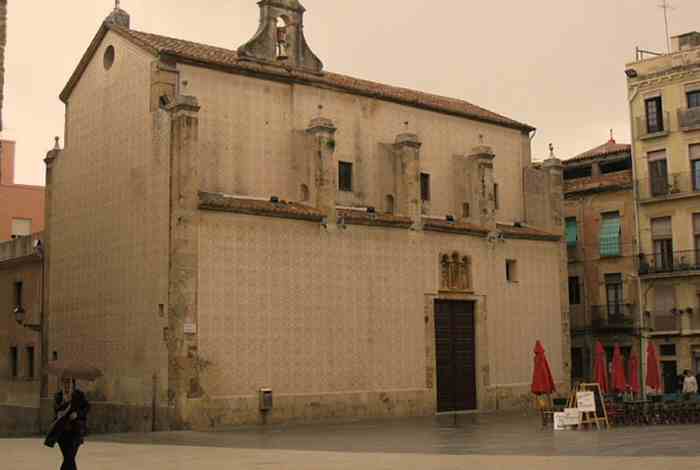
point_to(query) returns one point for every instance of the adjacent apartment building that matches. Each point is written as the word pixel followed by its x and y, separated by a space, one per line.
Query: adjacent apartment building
pixel 601 246
pixel 21 205
pixel 227 221
pixel 664 96
pixel 21 300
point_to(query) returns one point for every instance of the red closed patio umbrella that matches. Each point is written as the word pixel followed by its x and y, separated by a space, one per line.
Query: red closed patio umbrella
pixel 601 369
pixel 653 375
pixel 635 387
pixel 619 381
pixel 542 381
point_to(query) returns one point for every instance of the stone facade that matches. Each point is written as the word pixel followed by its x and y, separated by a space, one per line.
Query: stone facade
pixel 597 183
pixel 209 251
pixel 669 143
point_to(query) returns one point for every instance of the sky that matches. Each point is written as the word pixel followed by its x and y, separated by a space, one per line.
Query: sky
pixel 555 64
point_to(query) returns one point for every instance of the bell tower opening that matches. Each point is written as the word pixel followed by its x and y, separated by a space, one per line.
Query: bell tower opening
pixel 280 37
pixel 282 42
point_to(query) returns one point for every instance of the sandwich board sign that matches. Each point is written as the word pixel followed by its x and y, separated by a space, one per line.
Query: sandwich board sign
pixel 585 402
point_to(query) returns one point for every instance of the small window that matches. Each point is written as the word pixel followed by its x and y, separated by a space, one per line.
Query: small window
pixel 511 270
pixel 14 362
pixel 694 99
pixel 466 210
pixel 21 227
pixel 495 196
pixel 574 291
pixel 389 204
pixel 18 294
pixel 304 193
pixel 654 115
pixel 345 176
pixel 425 187
pixel 30 362
pixel 667 349
pixel 54 356
pixel 109 57
pixel 615 294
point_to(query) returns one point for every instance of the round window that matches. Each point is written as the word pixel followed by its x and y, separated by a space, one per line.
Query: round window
pixel 109 57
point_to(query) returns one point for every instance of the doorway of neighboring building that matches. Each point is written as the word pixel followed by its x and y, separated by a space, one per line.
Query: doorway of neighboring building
pixel 455 354
pixel 669 369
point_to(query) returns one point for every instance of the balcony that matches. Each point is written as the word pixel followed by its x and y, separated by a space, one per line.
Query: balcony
pixel 665 322
pixel 613 318
pixel 689 119
pixel 645 132
pixel 681 263
pixel 673 186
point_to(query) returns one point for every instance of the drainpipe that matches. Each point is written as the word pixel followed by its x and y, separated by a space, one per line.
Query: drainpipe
pixel 640 297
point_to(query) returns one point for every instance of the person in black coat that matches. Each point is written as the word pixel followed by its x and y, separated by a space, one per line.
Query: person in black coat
pixel 71 409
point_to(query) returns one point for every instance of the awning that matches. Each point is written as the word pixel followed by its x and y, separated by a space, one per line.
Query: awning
pixel 610 232
pixel 571 232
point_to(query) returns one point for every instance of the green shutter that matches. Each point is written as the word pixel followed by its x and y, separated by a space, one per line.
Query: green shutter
pixel 571 232
pixel 610 233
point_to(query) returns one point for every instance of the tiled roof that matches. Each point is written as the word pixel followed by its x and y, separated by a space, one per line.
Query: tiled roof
pixel 229 60
pixel 609 148
pixel 282 209
pixel 527 233
pixel 441 225
pixel 362 217
pixel 292 210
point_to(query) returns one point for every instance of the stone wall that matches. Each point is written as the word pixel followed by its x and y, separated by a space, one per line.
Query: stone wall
pixel 248 129
pixel 339 324
pixel 109 224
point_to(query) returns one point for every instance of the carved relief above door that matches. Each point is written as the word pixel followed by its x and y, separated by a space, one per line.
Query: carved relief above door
pixel 455 272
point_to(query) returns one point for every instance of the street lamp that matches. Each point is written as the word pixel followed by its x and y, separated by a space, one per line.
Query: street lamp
pixel 20 314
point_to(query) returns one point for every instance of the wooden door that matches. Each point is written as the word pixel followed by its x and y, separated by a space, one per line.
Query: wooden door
pixel 455 353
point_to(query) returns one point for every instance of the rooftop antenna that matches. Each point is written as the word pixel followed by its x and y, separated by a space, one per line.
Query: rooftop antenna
pixel 666 6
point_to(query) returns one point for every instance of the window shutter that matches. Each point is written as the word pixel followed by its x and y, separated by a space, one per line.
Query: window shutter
pixel 610 234
pixel 571 232
pixel 661 228
pixel 655 156
pixel 696 223
pixel 694 151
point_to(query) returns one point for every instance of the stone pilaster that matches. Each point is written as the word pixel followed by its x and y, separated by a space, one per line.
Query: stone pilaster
pixel 323 130
pixel 480 174
pixel 52 157
pixel 555 186
pixel 409 201
pixel 184 255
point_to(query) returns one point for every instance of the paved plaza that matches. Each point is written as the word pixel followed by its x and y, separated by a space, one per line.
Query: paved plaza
pixel 477 441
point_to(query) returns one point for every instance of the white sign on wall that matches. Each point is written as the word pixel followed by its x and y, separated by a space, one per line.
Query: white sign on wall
pixel 586 402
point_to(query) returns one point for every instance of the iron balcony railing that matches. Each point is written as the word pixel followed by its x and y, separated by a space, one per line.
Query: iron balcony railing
pixel 647 131
pixel 613 317
pixel 689 118
pixel 669 262
pixel 668 185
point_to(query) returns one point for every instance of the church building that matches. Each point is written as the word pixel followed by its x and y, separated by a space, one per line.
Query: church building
pixel 241 236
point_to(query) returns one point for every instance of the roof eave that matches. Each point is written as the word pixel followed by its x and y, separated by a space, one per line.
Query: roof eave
pixel 90 52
